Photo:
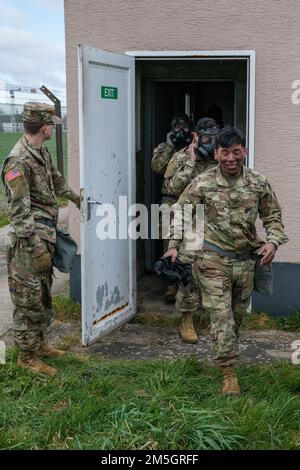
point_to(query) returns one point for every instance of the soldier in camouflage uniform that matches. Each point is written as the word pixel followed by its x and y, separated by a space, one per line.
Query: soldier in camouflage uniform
pixel 233 196
pixel 183 167
pixel 179 137
pixel 32 184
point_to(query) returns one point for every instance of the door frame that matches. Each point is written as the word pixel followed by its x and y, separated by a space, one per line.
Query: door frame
pixel 249 55
pixel 150 142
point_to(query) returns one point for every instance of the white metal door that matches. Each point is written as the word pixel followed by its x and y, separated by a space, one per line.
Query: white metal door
pixel 107 171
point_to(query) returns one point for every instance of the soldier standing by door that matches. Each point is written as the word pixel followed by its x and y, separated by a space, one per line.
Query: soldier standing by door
pixel 32 184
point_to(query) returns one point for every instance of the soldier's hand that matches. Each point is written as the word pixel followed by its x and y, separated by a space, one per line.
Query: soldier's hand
pixel 169 140
pixel 195 138
pixel 42 263
pixel 267 252
pixel 77 202
pixel 173 252
pixel 191 151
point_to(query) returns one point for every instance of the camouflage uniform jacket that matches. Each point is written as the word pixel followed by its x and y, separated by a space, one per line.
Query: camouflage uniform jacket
pixel 31 185
pixel 181 170
pixel 230 213
pixel 161 156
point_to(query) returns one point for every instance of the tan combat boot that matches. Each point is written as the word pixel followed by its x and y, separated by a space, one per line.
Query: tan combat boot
pixel 49 351
pixel 187 330
pixel 35 365
pixel 170 294
pixel 230 384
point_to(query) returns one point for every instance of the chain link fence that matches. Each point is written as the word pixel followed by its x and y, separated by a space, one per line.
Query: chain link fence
pixel 11 117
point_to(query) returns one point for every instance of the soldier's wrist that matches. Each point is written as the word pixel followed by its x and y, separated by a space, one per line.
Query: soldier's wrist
pixel 276 244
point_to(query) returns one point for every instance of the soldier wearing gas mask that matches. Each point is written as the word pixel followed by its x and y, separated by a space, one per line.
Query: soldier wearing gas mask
pixel 182 168
pixel 206 129
pixel 178 138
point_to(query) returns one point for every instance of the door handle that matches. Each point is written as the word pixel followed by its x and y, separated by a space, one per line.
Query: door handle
pixel 90 202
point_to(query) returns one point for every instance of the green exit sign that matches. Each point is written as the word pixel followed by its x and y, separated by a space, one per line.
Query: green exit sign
pixel 109 92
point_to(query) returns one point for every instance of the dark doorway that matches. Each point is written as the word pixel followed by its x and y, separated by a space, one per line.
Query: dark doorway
pixel 209 87
pixel 203 96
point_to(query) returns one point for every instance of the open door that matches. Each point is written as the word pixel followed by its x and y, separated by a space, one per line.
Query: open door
pixel 107 171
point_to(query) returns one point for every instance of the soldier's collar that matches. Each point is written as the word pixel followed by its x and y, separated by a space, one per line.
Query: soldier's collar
pixel 32 150
pixel 222 181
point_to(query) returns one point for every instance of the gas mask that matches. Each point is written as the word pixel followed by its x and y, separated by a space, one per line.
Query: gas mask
pixel 206 145
pixel 180 138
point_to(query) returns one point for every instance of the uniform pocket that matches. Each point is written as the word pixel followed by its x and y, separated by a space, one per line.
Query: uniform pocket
pixel 263 278
pixel 10 243
pixel 247 291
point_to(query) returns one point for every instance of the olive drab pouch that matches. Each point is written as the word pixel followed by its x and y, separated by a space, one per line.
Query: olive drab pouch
pixel 65 251
pixel 263 278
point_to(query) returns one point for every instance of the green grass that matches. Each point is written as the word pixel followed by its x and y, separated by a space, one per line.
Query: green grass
pixel 262 321
pixel 9 139
pixel 68 311
pixel 102 404
pixel 65 310
pixel 257 321
pixel 290 323
pixel 3 221
pixel 68 341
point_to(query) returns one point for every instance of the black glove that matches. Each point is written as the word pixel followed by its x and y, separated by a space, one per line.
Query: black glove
pixel 169 138
pixel 174 272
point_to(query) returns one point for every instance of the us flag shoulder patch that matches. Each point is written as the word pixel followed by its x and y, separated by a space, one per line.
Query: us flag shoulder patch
pixel 12 175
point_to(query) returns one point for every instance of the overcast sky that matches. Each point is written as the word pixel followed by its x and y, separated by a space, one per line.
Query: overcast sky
pixel 32 49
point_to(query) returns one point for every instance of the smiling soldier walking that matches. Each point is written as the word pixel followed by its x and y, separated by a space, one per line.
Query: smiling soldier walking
pixel 233 197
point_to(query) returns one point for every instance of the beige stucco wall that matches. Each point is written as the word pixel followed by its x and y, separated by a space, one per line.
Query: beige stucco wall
pixel 269 27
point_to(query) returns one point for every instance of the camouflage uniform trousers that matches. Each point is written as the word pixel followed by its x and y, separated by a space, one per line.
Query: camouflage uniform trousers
pixel 188 298
pixel 226 286
pixel 31 295
pixel 169 200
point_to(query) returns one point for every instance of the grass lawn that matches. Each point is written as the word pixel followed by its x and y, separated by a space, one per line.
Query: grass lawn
pixel 3 221
pixel 103 404
pixel 9 139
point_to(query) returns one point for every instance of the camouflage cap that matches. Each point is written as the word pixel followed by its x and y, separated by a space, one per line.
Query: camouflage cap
pixel 39 113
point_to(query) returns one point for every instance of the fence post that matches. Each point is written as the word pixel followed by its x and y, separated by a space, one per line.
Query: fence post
pixel 58 129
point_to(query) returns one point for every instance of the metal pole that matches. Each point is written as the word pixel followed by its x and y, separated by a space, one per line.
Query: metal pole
pixel 187 104
pixel 58 130
pixel 12 110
